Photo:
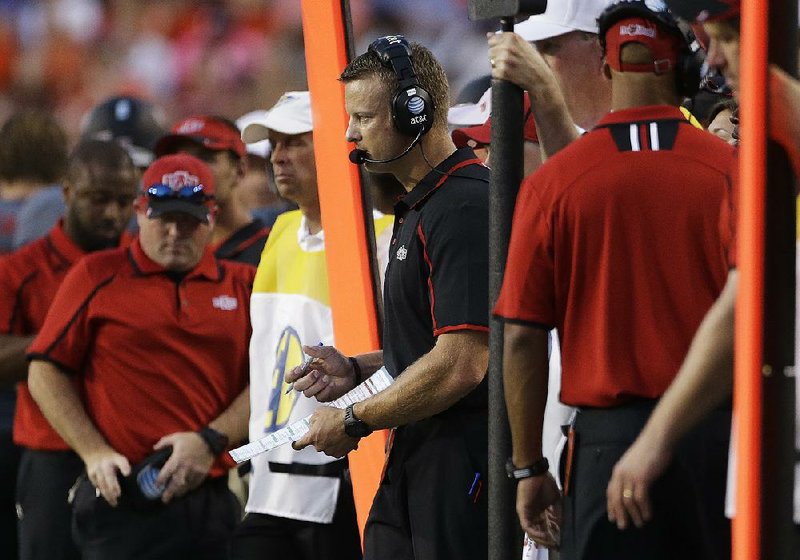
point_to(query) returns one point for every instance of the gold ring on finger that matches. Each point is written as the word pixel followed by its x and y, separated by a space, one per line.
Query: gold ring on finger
pixel 627 493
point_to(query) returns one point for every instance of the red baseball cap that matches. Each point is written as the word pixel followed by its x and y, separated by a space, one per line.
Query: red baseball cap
pixel 210 132
pixel 704 10
pixel 178 183
pixel 664 45
pixel 481 135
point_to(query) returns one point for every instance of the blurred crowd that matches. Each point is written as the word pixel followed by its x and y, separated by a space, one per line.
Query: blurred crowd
pixel 164 293
pixel 222 57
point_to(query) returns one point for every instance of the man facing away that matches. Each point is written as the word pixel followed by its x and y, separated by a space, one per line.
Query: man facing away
pixel 705 378
pixel 596 252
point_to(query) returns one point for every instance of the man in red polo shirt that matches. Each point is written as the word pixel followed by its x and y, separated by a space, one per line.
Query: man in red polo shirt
pixel 616 243
pixel 156 336
pixel 237 236
pixel 99 188
pixel 706 375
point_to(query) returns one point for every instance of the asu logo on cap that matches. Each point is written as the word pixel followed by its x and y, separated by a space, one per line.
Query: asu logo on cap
pixel 179 183
pixel 179 179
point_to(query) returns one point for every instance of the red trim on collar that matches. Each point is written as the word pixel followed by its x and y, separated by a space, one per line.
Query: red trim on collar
pixel 427 258
pixel 461 327
pixel 207 267
pixel 446 176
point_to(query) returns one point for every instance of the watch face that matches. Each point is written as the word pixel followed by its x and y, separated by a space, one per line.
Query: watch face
pixel 357 429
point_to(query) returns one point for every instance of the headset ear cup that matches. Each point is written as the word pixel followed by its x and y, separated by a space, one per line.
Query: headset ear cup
pixel 412 111
pixel 412 107
pixel 690 68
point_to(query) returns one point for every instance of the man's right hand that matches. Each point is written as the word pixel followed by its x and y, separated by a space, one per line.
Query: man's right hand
pixel 329 375
pixel 538 508
pixel 102 467
pixel 514 59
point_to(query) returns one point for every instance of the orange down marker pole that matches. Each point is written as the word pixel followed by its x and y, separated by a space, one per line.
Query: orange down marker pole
pixel 749 356
pixel 350 280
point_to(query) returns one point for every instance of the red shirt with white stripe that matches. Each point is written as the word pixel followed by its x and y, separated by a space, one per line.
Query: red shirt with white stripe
pixel 154 353
pixel 616 242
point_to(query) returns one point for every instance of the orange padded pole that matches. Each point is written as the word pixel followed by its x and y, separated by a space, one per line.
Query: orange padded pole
pixel 750 297
pixel 355 318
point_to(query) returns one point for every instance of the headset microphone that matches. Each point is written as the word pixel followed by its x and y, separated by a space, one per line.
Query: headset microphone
pixel 359 157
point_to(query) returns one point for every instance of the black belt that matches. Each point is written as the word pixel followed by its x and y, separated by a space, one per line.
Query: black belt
pixel 613 424
pixel 333 469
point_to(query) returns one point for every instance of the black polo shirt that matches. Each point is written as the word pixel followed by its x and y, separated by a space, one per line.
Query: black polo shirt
pixel 437 280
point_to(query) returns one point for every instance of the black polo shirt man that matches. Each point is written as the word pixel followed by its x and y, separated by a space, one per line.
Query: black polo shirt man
pixel 436 282
pixel 430 503
pixel 442 250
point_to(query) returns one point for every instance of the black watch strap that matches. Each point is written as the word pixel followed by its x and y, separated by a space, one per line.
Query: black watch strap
pixel 217 442
pixel 359 376
pixel 538 468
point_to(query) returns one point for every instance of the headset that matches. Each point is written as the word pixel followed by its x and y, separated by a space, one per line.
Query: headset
pixel 691 60
pixel 412 108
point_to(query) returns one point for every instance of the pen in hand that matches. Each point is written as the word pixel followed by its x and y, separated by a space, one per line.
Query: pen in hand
pixel 304 369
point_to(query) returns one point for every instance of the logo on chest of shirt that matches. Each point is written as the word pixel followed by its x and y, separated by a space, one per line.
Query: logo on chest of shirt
pixel 225 303
pixel 402 253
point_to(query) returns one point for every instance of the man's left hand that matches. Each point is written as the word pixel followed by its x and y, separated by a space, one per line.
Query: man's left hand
pixel 187 467
pixel 628 491
pixel 327 434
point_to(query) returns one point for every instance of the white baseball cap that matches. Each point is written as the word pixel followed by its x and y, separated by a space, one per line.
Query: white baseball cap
pixel 471 114
pixel 562 16
pixel 262 148
pixel 290 115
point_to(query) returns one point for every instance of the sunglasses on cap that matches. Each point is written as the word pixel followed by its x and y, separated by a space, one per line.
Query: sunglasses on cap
pixel 192 192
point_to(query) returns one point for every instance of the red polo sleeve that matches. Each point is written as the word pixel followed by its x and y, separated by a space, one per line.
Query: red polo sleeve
pixel 528 291
pixel 66 334
pixel 9 289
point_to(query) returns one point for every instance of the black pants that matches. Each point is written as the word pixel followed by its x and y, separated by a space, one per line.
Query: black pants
pixel 687 501
pixel 262 537
pixel 423 509
pixel 9 461
pixel 197 526
pixel 45 524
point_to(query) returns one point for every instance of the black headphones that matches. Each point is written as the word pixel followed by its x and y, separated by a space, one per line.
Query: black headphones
pixel 690 61
pixel 412 108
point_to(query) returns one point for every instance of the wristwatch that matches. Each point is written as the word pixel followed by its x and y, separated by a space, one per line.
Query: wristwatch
pixel 217 442
pixel 536 469
pixel 353 426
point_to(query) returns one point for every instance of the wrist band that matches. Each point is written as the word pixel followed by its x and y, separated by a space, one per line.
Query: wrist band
pixel 538 468
pixel 356 370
